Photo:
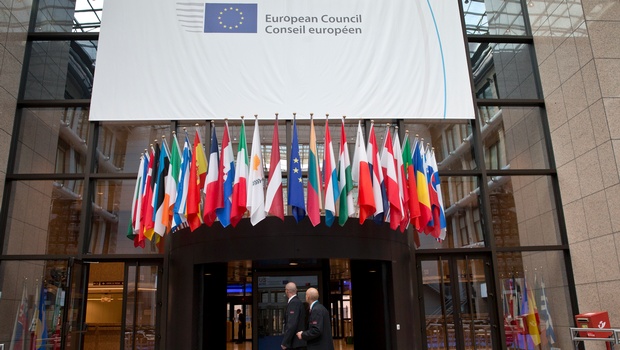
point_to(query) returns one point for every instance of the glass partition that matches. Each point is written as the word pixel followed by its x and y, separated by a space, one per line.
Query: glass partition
pixel 44 217
pixel 69 16
pixel 52 140
pixel 494 17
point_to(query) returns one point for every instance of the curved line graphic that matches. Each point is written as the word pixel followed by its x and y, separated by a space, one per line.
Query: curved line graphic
pixel 443 63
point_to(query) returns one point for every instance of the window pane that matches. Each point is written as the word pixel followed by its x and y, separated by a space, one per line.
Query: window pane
pixel 60 70
pixel 544 275
pixel 494 17
pixel 52 141
pixel 121 144
pixel 452 142
pixel 513 138
pixel 462 210
pixel 67 16
pixel 44 217
pixel 111 217
pixel 523 211
pixel 503 71
pixel 26 286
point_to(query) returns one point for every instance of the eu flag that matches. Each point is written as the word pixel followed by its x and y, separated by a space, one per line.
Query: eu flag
pixel 295 181
pixel 230 18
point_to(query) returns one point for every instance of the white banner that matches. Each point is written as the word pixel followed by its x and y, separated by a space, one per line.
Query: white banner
pixel 360 58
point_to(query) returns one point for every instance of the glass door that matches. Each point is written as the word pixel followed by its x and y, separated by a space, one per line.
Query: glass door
pixel 75 325
pixel 456 304
pixel 141 306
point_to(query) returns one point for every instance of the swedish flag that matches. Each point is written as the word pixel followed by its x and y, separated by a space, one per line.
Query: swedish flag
pixel 230 18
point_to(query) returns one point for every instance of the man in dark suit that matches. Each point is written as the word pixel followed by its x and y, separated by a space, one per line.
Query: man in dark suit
pixel 319 333
pixel 294 319
pixel 241 331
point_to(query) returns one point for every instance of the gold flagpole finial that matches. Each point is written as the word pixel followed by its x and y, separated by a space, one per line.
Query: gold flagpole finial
pixel 255 116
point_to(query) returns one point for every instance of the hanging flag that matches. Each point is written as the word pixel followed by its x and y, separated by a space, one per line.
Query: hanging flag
pixel 419 168
pixel 38 327
pixel 172 183
pixel 179 220
pixel 160 191
pixel 213 185
pixel 434 190
pixel 226 177
pixel 388 166
pixel 197 178
pixel 256 178
pixel 360 173
pixel 274 202
pixel 134 225
pixel 345 182
pixel 149 226
pixel 145 201
pixel 18 338
pixel 545 315
pixel 240 194
pixel 295 182
pixel 330 178
pixel 376 174
pixel 314 180
pixel 531 337
pixel 413 204
pixel 403 196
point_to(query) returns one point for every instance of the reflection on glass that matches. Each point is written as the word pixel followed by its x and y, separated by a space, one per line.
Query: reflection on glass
pixel 494 17
pixel 523 211
pixel 66 16
pixel 474 303
pixel 452 142
pixel 438 305
pixel 52 141
pixel 26 286
pixel 463 218
pixel 535 299
pixel 503 70
pixel 141 309
pixel 121 144
pixel 104 305
pixel 513 138
pixel 55 227
pixel 111 216
pixel 61 70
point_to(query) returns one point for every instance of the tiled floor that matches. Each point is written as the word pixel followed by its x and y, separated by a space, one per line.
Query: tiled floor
pixel 339 344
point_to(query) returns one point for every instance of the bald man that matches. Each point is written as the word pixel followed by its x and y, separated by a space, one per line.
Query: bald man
pixel 295 319
pixel 319 333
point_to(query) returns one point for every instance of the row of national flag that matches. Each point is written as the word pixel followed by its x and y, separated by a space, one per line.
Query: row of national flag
pixel 34 335
pixel 180 186
pixel 527 319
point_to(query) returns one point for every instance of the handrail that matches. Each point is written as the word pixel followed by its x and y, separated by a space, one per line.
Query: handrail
pixel 614 338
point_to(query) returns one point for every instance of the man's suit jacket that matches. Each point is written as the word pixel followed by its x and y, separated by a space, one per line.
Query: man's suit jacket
pixel 294 321
pixel 319 333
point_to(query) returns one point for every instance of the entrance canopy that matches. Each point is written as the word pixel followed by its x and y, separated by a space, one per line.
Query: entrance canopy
pixel 359 58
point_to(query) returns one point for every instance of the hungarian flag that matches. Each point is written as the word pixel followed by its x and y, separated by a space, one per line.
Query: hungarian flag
pixel 172 183
pixel 274 202
pixel 256 178
pixel 295 181
pixel 376 175
pixel 388 165
pixel 213 186
pixel 179 218
pixel 240 194
pixel 314 180
pixel 345 182
pixel 403 196
pixel 330 178
pixel 226 177
pixel 361 174
pixel 197 178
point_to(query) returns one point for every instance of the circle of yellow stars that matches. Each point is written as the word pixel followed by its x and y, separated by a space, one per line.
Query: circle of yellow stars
pixel 233 10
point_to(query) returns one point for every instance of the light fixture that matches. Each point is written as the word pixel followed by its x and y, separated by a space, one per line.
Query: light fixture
pixel 106 298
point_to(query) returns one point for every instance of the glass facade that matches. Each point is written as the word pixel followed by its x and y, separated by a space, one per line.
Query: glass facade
pixel 498 183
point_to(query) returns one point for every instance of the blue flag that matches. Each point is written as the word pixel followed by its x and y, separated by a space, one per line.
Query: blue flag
pixel 295 181
pixel 230 18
